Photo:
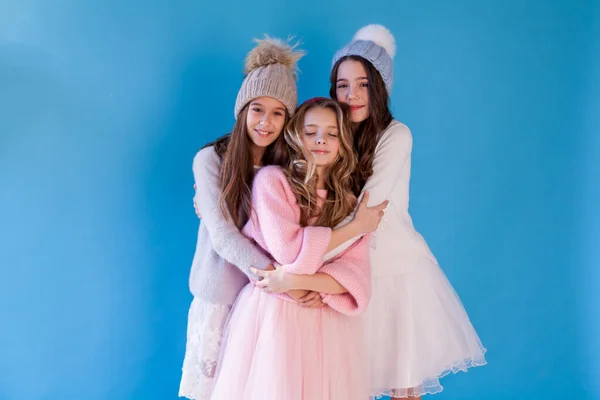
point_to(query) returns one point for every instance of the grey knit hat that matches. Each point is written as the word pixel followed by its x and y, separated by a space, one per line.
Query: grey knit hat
pixel 270 71
pixel 377 45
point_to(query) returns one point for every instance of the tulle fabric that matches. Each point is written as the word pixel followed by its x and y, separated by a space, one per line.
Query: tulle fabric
pixel 274 349
pixel 417 331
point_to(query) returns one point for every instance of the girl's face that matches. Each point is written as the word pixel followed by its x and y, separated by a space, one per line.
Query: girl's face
pixel 265 120
pixel 352 88
pixel 320 135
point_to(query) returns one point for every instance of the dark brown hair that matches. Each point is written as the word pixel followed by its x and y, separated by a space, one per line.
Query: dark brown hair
pixel 368 132
pixel 237 167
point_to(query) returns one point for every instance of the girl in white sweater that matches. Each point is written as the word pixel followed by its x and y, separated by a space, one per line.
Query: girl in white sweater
pixel 417 328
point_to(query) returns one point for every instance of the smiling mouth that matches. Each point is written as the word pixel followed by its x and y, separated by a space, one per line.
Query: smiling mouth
pixel 262 133
pixel 356 108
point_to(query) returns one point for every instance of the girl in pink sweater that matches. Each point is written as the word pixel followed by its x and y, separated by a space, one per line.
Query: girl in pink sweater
pixel 305 353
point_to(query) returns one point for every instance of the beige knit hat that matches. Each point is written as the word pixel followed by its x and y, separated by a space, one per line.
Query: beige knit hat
pixel 270 71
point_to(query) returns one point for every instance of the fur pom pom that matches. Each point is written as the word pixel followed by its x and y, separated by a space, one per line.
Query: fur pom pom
pixel 273 51
pixel 380 35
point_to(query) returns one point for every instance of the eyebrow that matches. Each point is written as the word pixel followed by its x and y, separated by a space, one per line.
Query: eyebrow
pixel 316 126
pixel 358 79
pixel 256 103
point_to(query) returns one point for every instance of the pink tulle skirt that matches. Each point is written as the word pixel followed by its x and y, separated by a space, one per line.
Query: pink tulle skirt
pixel 274 349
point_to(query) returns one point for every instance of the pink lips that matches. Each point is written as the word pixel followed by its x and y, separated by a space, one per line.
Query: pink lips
pixel 261 134
pixel 355 108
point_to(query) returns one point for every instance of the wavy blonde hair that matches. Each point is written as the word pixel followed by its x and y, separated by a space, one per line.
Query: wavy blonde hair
pixel 301 169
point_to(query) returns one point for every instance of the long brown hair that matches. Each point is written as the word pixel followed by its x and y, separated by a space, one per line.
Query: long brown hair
pixel 301 169
pixel 368 132
pixel 237 168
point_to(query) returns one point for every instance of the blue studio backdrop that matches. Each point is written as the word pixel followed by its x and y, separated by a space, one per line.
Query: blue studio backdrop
pixel 104 104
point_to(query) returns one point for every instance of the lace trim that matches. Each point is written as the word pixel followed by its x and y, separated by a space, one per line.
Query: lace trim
pixel 206 323
pixel 431 385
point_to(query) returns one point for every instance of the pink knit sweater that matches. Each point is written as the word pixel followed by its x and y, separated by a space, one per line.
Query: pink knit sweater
pixel 275 226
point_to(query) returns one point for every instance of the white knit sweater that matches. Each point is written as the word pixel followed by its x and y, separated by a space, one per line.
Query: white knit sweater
pixel 396 246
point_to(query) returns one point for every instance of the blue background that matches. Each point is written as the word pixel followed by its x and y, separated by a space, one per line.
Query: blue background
pixel 104 104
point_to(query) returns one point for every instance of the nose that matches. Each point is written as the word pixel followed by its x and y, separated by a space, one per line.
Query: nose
pixel 321 139
pixel 351 94
pixel 266 119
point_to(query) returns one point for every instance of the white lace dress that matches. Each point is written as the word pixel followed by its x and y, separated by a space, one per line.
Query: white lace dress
pixel 206 322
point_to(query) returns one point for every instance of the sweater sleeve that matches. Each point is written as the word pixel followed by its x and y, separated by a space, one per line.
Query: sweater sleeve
pixel 227 240
pixel 391 157
pixel 276 215
pixel 352 270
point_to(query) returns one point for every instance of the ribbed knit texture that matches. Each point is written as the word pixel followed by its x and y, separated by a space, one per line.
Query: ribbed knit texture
pixel 274 80
pixel 373 53
pixel 274 225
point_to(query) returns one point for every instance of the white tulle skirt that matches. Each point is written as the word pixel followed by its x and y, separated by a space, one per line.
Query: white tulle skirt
pixel 417 332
